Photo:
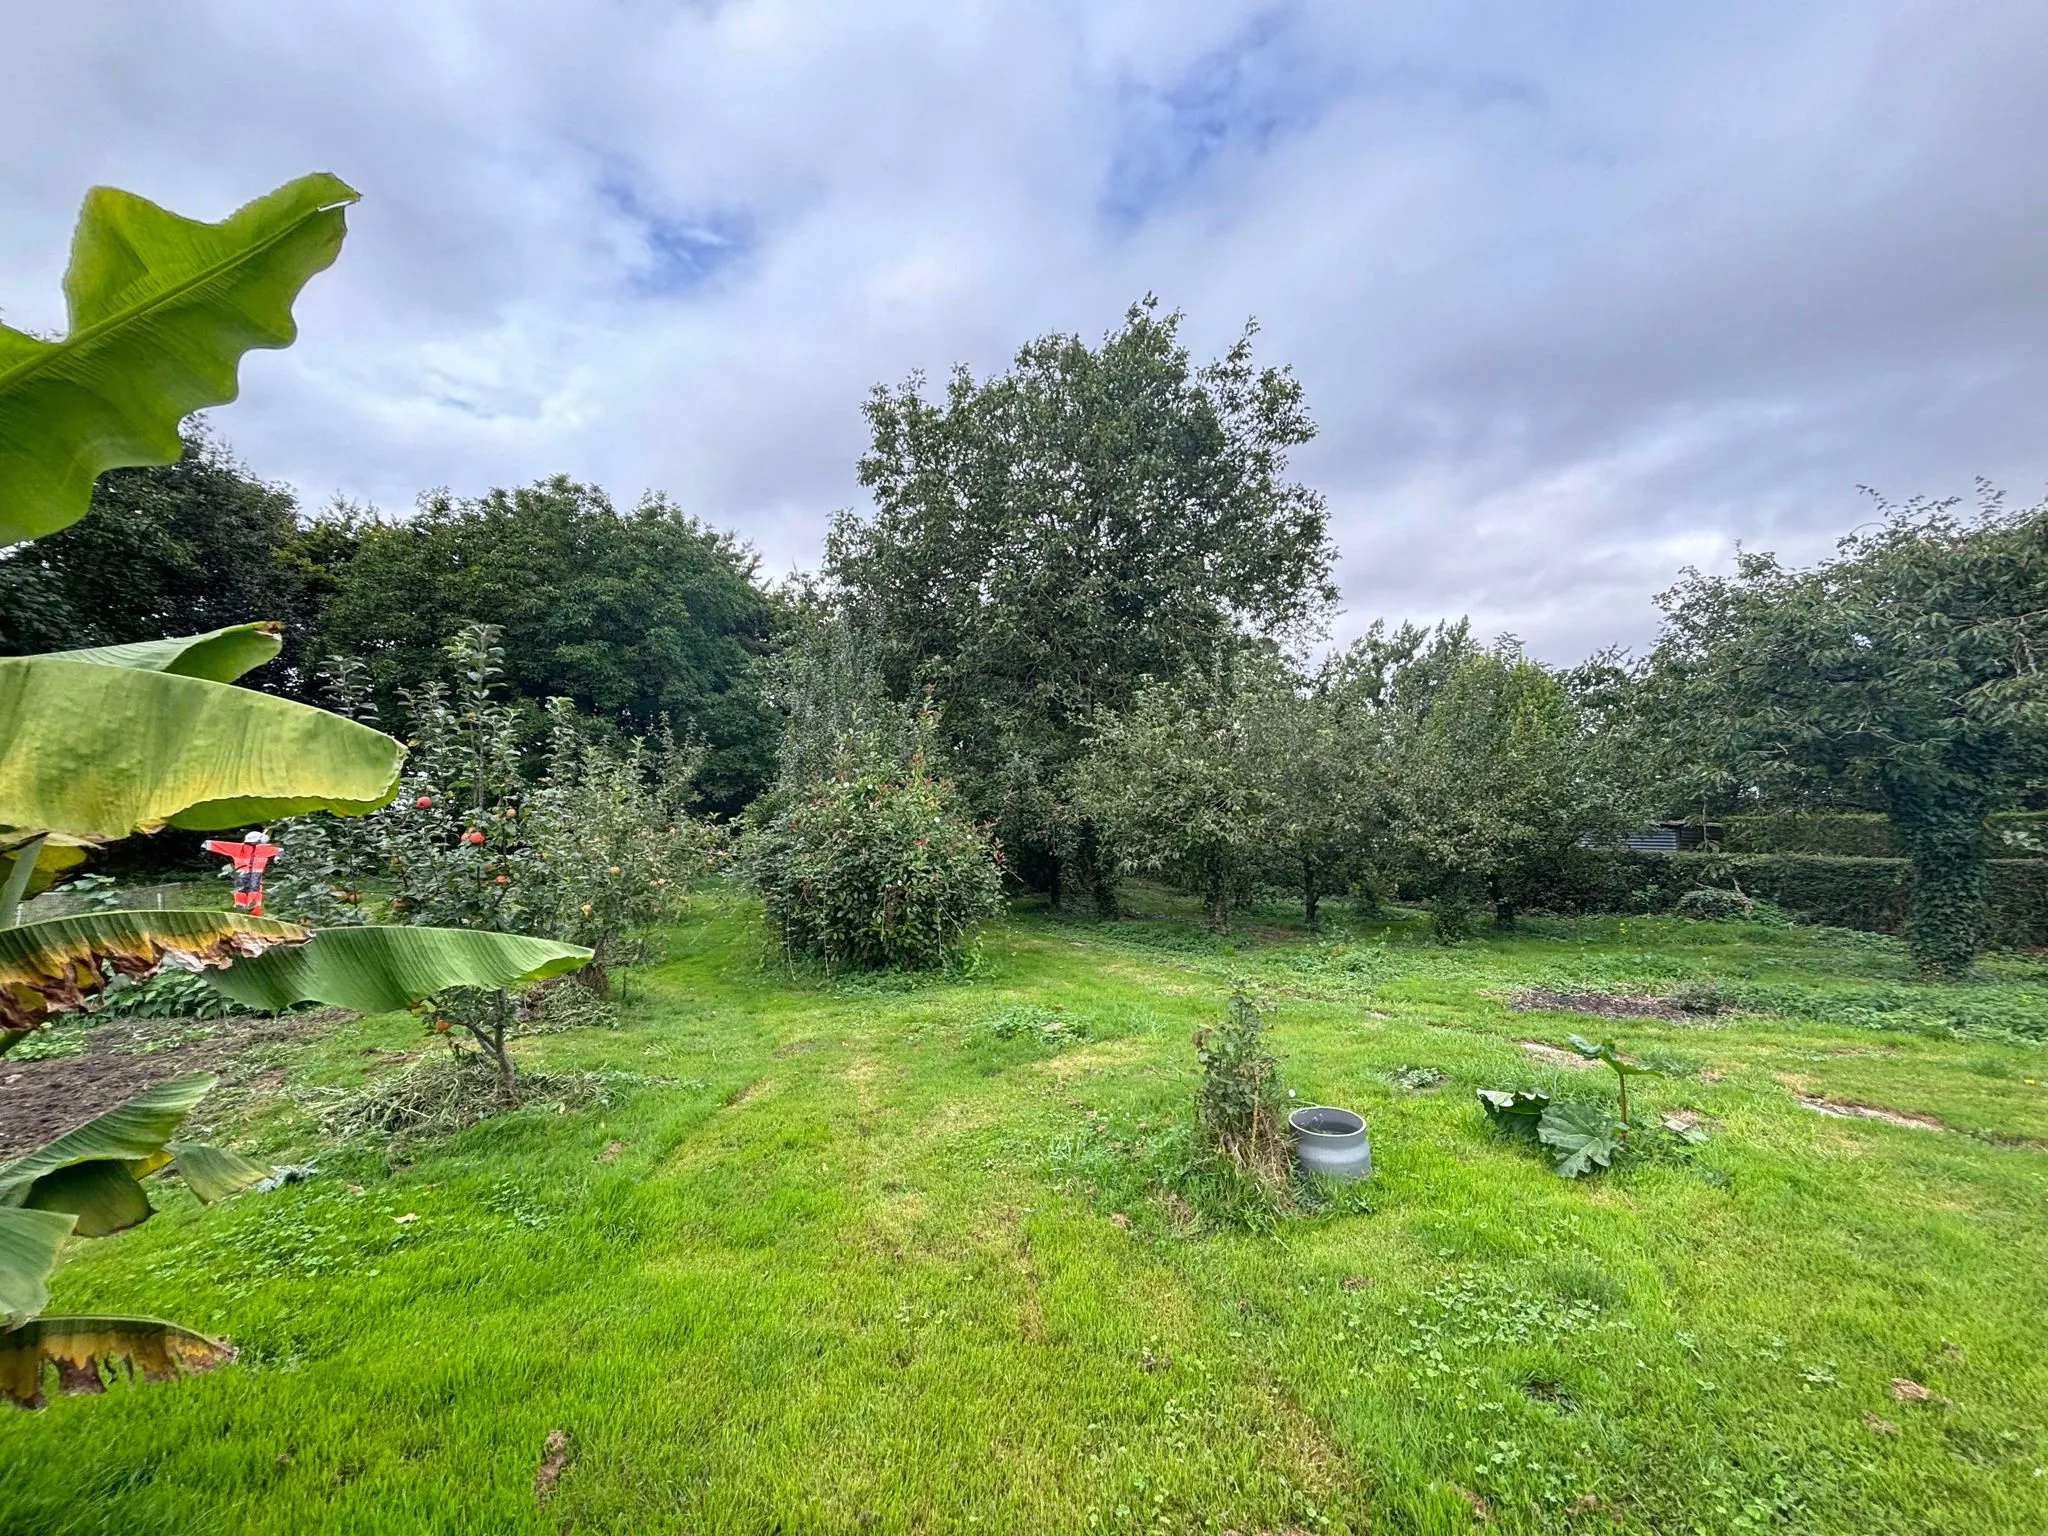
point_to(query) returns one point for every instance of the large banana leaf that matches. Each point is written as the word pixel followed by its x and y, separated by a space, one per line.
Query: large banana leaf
pixel 59 962
pixel 85 1350
pixel 161 310
pixel 29 1241
pixel 219 655
pixel 90 1172
pixel 101 752
pixel 377 970
pixel 214 1173
pixel 52 857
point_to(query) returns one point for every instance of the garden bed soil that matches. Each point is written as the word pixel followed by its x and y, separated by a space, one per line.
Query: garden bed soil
pixel 1612 1005
pixel 124 1057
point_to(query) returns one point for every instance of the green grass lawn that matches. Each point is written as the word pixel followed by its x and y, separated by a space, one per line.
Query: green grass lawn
pixel 830 1256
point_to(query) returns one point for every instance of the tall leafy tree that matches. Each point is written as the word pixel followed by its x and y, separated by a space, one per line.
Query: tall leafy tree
pixel 1185 782
pixel 1250 772
pixel 636 615
pixel 1044 539
pixel 197 544
pixel 1494 775
pixel 1910 663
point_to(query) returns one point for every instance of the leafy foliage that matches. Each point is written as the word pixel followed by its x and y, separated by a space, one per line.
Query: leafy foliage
pixel 110 741
pixel 1584 1136
pixel 1908 663
pixel 1247 772
pixel 599 843
pixel 875 868
pixel 1495 775
pixel 197 754
pixel 640 617
pixel 86 1183
pixel 83 1350
pixel 1712 903
pixel 170 992
pixel 167 549
pixel 1047 539
pixel 378 970
pixel 160 311
pixel 1624 1069
pixel 1517 1110
pixel 1240 1130
pixel 62 962
pixel 611 843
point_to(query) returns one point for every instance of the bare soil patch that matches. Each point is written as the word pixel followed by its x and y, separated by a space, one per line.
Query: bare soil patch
pixel 124 1057
pixel 1845 1109
pixel 1551 1056
pixel 1612 1005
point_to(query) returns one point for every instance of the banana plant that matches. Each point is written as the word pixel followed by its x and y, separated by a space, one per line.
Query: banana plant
pixel 88 1183
pixel 104 743
pixel 161 310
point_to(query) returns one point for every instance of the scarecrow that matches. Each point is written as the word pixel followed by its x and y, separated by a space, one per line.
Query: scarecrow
pixel 248 857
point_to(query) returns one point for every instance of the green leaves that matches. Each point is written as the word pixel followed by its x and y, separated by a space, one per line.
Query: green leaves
pixel 1515 1111
pixel 161 310
pixel 1583 1136
pixel 90 1175
pixel 213 1173
pixel 1624 1069
pixel 29 1242
pixel 90 1172
pixel 219 655
pixel 83 1350
pixel 377 970
pixel 102 751
pixel 1607 1051
pixel 60 962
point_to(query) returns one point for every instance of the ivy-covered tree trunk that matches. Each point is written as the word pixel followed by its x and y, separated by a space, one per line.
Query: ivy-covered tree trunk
pixel 1942 829
pixel 1311 891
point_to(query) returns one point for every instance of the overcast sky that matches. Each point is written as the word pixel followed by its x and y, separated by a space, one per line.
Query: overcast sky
pixel 1580 292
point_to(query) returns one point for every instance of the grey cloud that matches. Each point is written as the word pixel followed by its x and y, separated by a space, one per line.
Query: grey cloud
pixel 1579 293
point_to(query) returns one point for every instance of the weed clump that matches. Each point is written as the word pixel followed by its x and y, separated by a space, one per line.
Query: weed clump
pixel 1243 1156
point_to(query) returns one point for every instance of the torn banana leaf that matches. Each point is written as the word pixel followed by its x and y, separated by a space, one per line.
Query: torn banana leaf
pixel 218 656
pixel 214 1173
pixel 29 1243
pixel 84 1352
pixel 160 311
pixel 60 962
pixel 99 752
pixel 380 970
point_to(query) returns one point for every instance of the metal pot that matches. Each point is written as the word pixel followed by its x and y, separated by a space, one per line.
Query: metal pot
pixel 1331 1141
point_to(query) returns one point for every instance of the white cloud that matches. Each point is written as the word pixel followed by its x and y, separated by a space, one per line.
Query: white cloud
pixel 1579 293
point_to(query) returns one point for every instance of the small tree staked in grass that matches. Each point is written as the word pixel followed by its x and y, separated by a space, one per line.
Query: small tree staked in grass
pixel 1242 1146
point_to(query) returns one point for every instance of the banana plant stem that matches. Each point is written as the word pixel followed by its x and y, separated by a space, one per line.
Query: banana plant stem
pixel 17 879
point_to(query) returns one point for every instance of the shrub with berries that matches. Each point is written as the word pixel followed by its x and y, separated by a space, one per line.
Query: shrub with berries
pixel 874 868
pixel 597 845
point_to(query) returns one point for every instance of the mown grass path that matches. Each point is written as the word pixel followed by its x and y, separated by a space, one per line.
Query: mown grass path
pixel 842 1257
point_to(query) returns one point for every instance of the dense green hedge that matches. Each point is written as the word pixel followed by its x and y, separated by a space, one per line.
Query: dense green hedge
pixel 1862 835
pixel 1874 894
pixel 2016 915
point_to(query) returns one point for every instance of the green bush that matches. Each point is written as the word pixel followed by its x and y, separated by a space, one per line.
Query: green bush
pixel 2016 904
pixel 1867 835
pixel 873 869
pixel 1712 903
pixel 1840 892
pixel 1244 1156
pixel 1851 834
